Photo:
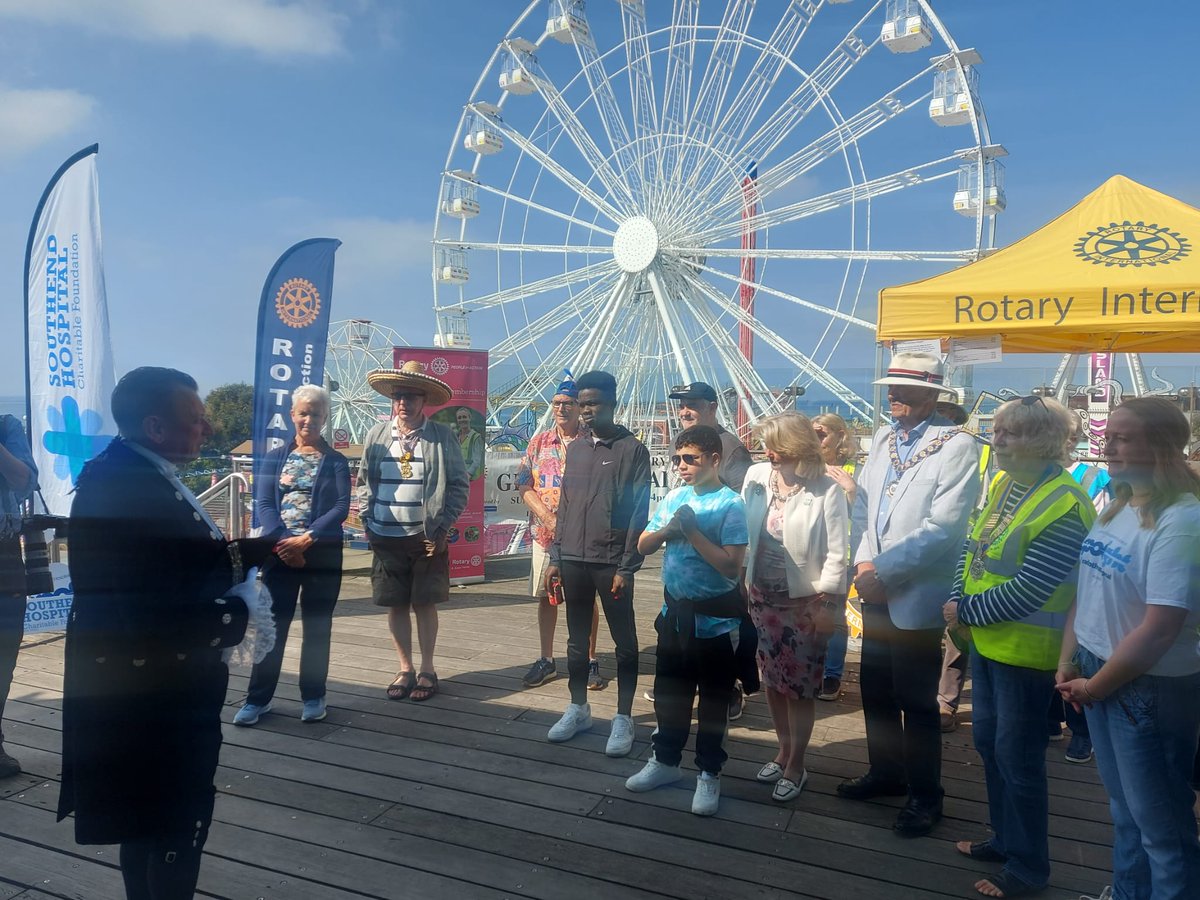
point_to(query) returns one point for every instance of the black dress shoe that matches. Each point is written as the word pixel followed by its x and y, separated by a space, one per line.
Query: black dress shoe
pixel 864 787
pixel 917 818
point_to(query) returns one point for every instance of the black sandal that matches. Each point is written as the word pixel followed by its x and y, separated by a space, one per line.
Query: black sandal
pixel 422 692
pixel 402 686
pixel 982 851
pixel 1009 885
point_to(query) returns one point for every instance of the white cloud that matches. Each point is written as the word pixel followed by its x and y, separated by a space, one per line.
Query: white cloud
pixel 31 117
pixel 270 27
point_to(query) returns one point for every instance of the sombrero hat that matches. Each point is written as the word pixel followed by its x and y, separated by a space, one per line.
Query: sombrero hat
pixel 410 377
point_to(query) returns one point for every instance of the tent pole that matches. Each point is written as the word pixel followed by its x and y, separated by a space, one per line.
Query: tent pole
pixel 879 397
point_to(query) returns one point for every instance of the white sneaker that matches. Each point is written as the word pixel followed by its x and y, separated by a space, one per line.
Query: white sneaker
pixel 708 794
pixel 653 774
pixel 1105 894
pixel 577 718
pixel 620 738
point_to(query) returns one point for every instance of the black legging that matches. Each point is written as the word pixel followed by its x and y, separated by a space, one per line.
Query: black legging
pixel 581 583
pixel 162 868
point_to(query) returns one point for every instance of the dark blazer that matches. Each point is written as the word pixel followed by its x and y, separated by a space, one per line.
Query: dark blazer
pixel 144 681
pixel 330 498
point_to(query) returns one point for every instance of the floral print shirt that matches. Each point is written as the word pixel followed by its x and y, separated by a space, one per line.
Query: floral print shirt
pixel 542 469
pixel 296 482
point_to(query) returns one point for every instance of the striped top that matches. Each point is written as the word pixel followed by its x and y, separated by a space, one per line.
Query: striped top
pixel 1049 561
pixel 399 507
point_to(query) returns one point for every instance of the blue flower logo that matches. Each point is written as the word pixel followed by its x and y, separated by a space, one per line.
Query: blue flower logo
pixel 74 437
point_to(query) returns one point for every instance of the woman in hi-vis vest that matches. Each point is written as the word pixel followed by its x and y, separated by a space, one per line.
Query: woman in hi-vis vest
pixel 1015 586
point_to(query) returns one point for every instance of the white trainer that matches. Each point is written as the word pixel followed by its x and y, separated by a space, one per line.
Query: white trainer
pixel 577 718
pixel 708 794
pixel 654 774
pixel 620 738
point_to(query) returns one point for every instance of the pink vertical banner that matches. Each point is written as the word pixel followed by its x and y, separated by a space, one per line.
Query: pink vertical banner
pixel 1100 372
pixel 466 371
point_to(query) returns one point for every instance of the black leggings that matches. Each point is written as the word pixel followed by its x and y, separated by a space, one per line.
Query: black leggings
pixel 162 868
pixel 581 583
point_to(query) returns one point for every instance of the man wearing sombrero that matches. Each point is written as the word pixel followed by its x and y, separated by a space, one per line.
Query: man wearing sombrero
pixel 413 486
pixel 915 496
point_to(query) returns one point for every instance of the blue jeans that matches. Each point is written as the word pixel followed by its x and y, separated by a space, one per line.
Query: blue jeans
pixel 835 651
pixel 1145 740
pixel 1009 722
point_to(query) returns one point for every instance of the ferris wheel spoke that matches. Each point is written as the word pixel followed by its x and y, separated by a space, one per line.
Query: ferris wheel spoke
pixel 611 120
pixel 505 247
pixel 952 256
pixel 670 324
pixel 816 88
pixel 677 92
pixel 578 134
pixel 602 329
pixel 807 158
pixel 718 73
pixel 783 295
pixel 641 79
pixel 569 180
pixel 541 208
pixel 545 324
pixel 806 365
pixel 946 167
pixel 543 285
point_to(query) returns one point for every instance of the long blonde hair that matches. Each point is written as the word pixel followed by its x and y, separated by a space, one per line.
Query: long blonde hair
pixel 1167 434
pixel 844 448
pixel 791 435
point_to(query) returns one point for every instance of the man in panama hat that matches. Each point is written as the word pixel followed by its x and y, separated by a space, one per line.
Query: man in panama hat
pixel 413 486
pixel 915 496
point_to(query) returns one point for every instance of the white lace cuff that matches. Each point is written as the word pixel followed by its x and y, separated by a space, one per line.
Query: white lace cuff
pixel 260 628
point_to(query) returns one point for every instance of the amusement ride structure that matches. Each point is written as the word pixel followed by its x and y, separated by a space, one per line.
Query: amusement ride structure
pixel 665 190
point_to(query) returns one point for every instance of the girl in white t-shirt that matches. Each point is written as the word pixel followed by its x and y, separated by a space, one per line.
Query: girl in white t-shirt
pixel 1131 657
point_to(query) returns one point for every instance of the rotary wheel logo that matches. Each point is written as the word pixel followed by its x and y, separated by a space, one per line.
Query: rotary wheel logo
pixel 1132 244
pixel 298 303
pixel 439 366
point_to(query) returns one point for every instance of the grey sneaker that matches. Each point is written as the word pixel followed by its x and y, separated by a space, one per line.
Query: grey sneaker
pixel 654 774
pixel 830 688
pixel 250 714
pixel 314 710
pixel 596 681
pixel 540 672
pixel 737 703
pixel 1079 751
pixel 620 738
pixel 708 794
pixel 577 718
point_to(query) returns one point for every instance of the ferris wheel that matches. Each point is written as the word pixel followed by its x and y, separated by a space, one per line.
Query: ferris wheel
pixel 697 197
pixel 354 348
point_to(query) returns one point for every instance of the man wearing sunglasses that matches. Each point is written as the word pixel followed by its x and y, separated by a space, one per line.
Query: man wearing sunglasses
pixel 698 406
pixel 603 507
pixel 911 511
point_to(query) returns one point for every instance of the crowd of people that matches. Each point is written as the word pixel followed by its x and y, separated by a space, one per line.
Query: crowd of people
pixel 1071 591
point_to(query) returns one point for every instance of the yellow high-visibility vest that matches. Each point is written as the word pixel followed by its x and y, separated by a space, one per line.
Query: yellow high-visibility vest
pixel 1032 642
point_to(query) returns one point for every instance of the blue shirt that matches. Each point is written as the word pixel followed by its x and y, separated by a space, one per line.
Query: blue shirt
pixel 13 436
pixel 905 445
pixel 720 517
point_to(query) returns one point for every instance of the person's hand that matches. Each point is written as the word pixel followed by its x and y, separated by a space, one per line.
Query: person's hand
pixel 1075 691
pixel 552 572
pixel 622 586
pixel 685 519
pixel 870 588
pixel 437 545
pixel 291 550
pixel 950 613
pixel 825 619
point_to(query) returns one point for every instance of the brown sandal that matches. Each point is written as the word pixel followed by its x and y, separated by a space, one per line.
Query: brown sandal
pixel 402 686
pixel 422 692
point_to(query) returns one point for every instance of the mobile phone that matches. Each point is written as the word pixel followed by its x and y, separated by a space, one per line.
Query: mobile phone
pixel 557 594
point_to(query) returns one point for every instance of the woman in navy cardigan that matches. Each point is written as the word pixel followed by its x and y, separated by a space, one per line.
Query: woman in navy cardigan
pixel 302 496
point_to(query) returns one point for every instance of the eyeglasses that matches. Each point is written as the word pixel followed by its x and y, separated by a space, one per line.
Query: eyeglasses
pixel 563 404
pixel 690 458
pixel 407 397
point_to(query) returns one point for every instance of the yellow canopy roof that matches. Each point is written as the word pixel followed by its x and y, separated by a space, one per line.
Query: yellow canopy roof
pixel 1119 271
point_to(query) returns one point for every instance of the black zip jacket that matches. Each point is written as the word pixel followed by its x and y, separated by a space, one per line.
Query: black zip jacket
pixel 604 504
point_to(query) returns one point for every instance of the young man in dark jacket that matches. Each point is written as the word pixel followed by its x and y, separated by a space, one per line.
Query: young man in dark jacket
pixel 602 511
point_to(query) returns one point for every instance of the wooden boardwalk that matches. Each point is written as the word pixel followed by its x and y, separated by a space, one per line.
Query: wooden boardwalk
pixel 462 797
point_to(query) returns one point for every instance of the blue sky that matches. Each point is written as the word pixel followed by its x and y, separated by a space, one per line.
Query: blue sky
pixel 230 129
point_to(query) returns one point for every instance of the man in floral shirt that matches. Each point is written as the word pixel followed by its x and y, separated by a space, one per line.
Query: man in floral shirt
pixel 540 482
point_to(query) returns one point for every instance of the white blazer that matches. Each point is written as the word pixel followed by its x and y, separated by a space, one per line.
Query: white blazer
pixel 916 550
pixel 814 532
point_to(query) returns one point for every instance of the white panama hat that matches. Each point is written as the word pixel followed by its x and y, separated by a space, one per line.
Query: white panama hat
pixel 919 370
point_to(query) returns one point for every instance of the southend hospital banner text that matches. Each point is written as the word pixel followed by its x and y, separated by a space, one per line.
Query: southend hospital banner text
pixel 1118 272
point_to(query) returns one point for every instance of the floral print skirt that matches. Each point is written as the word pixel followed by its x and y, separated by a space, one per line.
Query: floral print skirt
pixel 791 655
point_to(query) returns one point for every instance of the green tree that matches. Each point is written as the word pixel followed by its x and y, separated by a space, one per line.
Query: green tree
pixel 230 408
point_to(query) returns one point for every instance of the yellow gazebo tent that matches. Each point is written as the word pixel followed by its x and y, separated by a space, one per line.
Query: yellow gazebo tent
pixel 1118 272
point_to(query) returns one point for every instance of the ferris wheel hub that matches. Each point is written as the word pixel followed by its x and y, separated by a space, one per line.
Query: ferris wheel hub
pixel 635 245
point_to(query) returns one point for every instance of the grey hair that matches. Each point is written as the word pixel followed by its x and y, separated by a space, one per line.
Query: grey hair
pixel 312 393
pixel 1043 425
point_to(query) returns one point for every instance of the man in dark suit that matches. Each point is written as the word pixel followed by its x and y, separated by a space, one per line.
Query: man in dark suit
pixel 145 681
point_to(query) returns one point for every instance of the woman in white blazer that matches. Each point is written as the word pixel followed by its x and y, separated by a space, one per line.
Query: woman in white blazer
pixel 796 583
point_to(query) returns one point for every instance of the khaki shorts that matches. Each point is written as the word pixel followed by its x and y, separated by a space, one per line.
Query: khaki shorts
pixel 537 572
pixel 403 576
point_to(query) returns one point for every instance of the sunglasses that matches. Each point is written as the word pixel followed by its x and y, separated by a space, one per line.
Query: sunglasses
pixel 1032 399
pixel 690 458
pixel 408 397
pixel 820 433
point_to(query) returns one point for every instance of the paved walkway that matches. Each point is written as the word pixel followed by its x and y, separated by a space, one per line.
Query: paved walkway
pixel 462 797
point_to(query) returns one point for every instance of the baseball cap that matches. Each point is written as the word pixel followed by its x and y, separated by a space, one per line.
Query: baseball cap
pixel 697 390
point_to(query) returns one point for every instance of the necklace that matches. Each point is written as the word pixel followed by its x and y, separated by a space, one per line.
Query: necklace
pixel 929 450
pixel 781 498
pixel 998 521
